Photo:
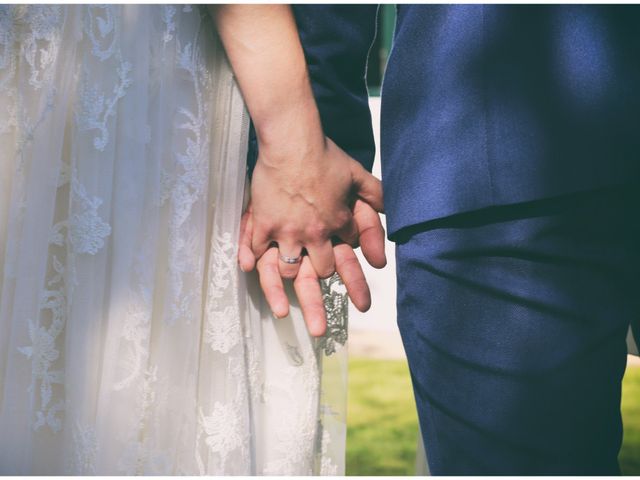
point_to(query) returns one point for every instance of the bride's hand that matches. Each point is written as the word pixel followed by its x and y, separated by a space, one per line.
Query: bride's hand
pixel 304 196
pixel 306 284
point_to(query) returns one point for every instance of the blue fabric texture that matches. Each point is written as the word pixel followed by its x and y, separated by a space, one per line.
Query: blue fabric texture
pixel 514 322
pixel 487 105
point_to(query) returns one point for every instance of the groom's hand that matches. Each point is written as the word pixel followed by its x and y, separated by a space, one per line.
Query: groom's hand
pixel 307 286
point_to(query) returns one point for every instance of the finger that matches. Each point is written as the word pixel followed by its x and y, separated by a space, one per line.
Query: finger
pixel 246 258
pixel 288 250
pixel 271 283
pixel 350 271
pixel 367 187
pixel 307 288
pixel 321 256
pixel 371 233
pixel 260 240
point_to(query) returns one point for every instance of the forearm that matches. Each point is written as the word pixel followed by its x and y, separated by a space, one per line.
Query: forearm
pixel 264 49
pixel 336 41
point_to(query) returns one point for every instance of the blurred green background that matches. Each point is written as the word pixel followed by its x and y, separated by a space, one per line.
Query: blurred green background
pixel 382 428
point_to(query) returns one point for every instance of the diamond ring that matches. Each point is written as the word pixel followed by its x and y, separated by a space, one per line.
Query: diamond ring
pixel 291 260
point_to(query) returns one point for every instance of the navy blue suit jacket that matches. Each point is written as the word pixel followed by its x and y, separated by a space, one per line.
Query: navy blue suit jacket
pixel 483 105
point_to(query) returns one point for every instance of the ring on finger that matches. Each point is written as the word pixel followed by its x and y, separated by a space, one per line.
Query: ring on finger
pixel 290 260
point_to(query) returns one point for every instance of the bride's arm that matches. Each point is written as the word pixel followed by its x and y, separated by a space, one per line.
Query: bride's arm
pixel 303 184
pixel 263 47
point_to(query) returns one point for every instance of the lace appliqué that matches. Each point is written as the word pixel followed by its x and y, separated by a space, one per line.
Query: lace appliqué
pixel 8 39
pixel 40 49
pixel 222 430
pixel 95 108
pixel 225 429
pixel 168 12
pixel 222 329
pixel 37 28
pixel 185 188
pixel 87 230
pixel 43 352
pixel 137 326
pixel 84 451
pixel 296 432
pixel 136 333
pixel 101 28
pixel 337 308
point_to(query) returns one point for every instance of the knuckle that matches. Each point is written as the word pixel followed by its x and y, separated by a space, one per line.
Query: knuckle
pixel 316 231
pixel 343 218
pixel 289 231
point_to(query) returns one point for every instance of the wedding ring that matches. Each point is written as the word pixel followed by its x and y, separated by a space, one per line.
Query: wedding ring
pixel 291 260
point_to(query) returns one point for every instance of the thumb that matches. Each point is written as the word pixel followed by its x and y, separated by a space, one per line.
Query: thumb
pixel 367 187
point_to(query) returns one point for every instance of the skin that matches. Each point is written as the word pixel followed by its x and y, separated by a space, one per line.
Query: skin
pixel 306 282
pixel 306 192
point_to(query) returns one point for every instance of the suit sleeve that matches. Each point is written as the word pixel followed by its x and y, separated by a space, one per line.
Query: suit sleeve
pixel 336 40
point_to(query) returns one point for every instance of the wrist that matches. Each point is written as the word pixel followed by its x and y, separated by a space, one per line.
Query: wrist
pixel 291 134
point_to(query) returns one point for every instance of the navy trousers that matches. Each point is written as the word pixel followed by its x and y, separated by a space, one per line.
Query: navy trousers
pixel 514 322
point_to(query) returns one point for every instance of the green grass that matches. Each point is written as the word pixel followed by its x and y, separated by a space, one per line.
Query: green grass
pixel 382 424
pixel 629 457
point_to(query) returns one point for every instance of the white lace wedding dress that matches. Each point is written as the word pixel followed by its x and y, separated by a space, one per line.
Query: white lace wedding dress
pixel 130 343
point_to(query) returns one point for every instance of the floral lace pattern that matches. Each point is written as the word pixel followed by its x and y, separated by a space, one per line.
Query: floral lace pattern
pixel 96 108
pixel 101 28
pixel 222 430
pixel 297 428
pixel 222 330
pixel 87 230
pixel 43 352
pixel 168 12
pixel 186 184
pixel 137 345
pixel 40 49
pixel 8 39
pixel 337 307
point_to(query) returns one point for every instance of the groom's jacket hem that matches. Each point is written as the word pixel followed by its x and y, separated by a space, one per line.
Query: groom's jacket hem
pixel 491 105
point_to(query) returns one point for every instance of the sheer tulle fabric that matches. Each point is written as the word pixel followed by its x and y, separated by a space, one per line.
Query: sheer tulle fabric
pixel 130 343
